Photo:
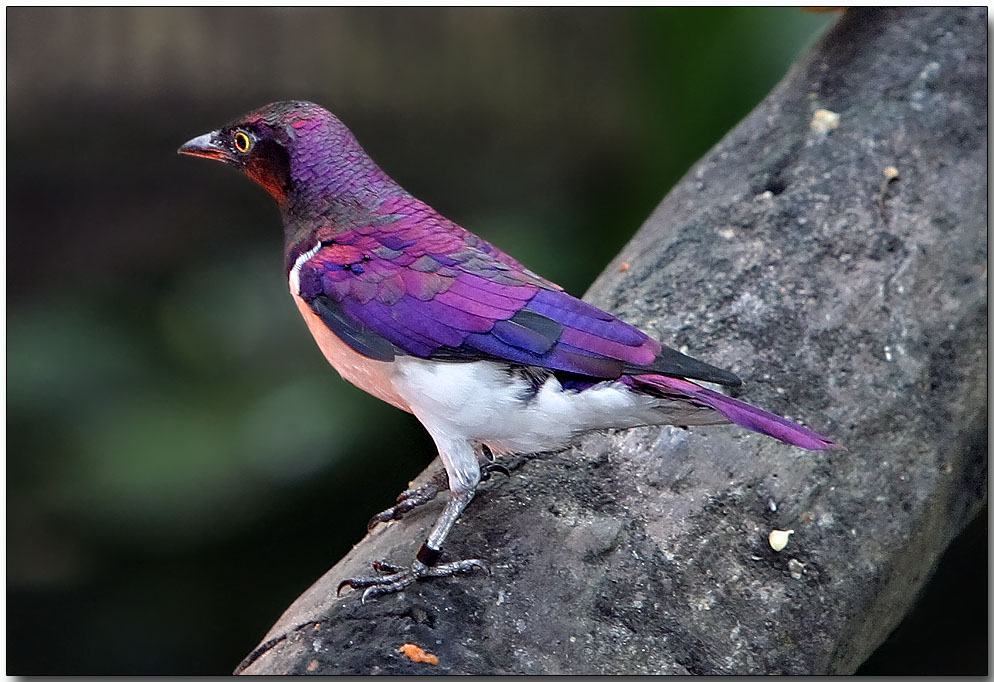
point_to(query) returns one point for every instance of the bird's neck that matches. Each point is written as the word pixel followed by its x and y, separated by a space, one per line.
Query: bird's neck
pixel 334 203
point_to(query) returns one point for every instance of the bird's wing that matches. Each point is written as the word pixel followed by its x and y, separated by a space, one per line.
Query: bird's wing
pixel 434 292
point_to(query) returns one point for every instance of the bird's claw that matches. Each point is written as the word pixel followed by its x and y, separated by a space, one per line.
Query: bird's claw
pixel 396 578
pixel 491 467
pixel 406 501
pixel 394 513
pixel 385 567
pixel 415 497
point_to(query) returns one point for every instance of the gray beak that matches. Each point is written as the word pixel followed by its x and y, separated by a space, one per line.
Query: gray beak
pixel 206 146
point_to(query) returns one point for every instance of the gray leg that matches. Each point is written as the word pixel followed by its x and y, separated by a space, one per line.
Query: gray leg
pixel 425 564
pixel 463 472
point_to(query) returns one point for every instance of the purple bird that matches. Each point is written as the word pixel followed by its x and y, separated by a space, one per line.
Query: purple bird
pixel 410 307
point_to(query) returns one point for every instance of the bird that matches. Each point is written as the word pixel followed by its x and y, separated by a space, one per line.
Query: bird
pixel 412 308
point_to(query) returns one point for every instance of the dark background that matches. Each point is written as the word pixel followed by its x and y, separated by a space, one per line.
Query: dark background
pixel 181 461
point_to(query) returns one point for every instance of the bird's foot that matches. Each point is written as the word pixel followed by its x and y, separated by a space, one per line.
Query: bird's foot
pixel 415 497
pixel 411 498
pixel 396 578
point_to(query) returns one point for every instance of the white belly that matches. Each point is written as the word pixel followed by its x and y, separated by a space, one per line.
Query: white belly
pixel 484 402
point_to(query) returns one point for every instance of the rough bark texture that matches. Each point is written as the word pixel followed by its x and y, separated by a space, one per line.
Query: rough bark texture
pixel 849 300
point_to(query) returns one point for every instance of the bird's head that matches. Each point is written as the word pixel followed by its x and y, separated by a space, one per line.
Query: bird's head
pixel 299 152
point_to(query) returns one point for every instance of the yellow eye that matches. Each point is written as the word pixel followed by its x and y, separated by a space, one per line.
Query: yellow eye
pixel 242 141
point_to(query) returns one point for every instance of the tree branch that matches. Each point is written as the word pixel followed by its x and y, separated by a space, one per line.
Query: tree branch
pixel 847 294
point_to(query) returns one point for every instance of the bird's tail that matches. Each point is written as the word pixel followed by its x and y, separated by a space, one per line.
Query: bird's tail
pixel 738 412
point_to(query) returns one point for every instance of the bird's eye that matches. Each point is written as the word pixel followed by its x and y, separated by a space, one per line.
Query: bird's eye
pixel 242 141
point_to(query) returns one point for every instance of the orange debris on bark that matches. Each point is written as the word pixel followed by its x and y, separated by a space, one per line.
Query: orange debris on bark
pixel 417 654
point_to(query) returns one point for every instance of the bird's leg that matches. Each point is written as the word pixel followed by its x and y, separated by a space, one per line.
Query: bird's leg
pixel 463 471
pixel 411 498
pixel 425 564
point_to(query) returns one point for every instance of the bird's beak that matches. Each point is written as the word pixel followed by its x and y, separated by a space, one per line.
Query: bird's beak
pixel 206 146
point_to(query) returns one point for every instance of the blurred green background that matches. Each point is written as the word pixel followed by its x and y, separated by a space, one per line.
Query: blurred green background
pixel 181 461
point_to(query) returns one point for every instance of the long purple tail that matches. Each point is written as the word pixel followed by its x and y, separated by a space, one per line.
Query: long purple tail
pixel 738 412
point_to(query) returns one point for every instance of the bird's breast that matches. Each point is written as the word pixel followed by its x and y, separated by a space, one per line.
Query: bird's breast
pixel 373 376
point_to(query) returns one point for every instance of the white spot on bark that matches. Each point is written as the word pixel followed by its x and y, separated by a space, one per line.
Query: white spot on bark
pixel 779 539
pixel 824 121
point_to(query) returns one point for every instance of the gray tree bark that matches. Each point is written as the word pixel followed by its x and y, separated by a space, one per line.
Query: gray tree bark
pixel 840 271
